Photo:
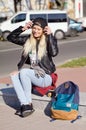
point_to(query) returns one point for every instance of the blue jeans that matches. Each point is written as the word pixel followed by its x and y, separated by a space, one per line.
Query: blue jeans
pixel 23 81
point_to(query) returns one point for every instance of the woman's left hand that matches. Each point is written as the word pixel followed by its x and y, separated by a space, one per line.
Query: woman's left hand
pixel 47 30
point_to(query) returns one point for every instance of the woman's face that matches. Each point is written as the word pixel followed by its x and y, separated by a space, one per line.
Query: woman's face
pixel 37 31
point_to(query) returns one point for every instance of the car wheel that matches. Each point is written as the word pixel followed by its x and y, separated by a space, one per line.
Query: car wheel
pixel 5 34
pixel 59 34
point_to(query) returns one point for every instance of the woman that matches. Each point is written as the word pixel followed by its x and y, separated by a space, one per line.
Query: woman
pixel 38 50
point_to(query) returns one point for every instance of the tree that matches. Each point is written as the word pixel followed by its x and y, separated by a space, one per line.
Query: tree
pixel 16 2
pixel 60 4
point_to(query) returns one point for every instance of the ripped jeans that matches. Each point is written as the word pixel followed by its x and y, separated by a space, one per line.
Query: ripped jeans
pixel 23 81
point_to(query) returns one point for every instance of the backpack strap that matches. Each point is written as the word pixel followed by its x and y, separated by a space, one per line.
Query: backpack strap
pixel 78 117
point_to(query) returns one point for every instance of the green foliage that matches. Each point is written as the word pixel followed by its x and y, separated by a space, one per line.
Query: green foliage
pixel 80 62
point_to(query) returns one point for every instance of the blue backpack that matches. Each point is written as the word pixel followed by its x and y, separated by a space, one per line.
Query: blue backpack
pixel 65 105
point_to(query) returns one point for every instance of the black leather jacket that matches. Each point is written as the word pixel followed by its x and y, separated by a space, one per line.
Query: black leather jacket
pixel 46 62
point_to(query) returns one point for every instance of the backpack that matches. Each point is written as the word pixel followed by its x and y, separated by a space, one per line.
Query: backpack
pixel 65 104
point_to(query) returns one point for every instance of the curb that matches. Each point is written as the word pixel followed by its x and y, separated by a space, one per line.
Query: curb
pixel 8 97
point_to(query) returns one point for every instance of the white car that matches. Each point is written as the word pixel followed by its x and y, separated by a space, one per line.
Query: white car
pixel 56 19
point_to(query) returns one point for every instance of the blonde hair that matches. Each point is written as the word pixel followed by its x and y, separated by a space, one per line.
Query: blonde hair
pixel 30 46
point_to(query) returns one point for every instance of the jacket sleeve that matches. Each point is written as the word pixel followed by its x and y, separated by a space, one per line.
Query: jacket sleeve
pixel 15 37
pixel 52 45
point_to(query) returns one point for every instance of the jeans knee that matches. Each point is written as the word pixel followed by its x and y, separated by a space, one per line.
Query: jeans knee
pixel 23 72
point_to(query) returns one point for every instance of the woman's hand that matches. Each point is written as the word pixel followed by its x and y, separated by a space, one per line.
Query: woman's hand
pixel 47 30
pixel 27 26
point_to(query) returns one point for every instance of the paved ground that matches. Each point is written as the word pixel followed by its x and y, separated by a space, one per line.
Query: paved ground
pixel 39 120
pixel 76 75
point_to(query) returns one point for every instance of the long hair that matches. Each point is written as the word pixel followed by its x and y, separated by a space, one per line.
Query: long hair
pixel 30 46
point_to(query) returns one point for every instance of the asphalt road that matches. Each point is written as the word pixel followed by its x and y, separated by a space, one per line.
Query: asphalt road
pixel 70 48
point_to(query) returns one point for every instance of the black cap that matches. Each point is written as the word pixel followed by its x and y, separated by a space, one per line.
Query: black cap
pixel 40 22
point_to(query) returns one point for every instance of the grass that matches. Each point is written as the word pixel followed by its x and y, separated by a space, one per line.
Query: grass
pixel 80 62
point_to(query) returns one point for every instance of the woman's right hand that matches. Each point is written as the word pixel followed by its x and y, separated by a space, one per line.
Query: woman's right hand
pixel 27 26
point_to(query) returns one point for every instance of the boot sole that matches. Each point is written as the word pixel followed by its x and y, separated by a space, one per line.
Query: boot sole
pixel 27 113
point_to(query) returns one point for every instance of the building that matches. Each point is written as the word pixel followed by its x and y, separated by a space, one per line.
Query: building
pixel 6 8
pixel 75 8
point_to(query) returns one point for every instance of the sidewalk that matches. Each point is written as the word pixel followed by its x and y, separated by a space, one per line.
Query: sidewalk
pixel 39 120
pixel 77 75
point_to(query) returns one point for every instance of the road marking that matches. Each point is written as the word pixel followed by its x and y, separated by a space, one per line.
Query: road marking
pixel 69 41
pixel 61 42
pixel 11 49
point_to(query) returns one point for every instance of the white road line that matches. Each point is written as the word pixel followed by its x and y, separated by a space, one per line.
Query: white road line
pixel 69 41
pixel 61 42
pixel 11 49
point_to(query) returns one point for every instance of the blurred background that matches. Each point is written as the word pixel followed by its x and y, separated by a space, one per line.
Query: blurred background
pixel 75 8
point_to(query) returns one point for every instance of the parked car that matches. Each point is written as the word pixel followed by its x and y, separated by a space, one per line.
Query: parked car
pixel 2 19
pixel 57 20
pixel 76 25
pixel 83 21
